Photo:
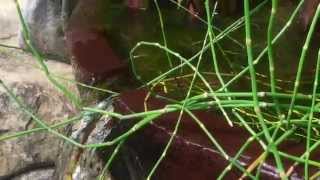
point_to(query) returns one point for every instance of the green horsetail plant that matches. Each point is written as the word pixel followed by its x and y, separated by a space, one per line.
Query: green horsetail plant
pixel 252 109
pixel 277 37
pixel 315 87
pixel 301 61
pixel 257 109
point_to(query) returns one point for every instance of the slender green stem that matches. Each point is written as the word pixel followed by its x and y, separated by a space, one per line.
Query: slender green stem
pixel 299 159
pixel 163 32
pixel 110 160
pixel 261 94
pixel 254 89
pixel 252 70
pixel 315 86
pixel 164 153
pixel 212 37
pixel 30 131
pixel 274 10
pixel 301 61
pixel 180 115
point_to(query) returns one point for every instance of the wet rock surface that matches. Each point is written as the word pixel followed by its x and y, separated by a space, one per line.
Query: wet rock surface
pixel 78 163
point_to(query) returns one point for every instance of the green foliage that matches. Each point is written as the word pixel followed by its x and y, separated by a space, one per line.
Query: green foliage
pixel 274 119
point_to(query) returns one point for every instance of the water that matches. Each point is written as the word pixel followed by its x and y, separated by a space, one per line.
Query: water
pixel 109 30
pixel 123 28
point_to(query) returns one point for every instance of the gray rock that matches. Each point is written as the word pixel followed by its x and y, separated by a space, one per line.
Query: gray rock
pixel 37 175
pixel 9 23
pixel 31 156
pixel 46 19
pixel 41 155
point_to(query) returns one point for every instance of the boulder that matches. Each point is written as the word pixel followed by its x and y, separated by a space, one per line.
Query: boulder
pixel 30 156
pixel 45 19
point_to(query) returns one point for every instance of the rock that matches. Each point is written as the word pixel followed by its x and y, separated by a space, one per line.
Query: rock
pixel 37 175
pixel 9 23
pixel 46 19
pixel 82 164
pixel 30 156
